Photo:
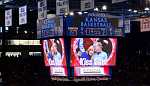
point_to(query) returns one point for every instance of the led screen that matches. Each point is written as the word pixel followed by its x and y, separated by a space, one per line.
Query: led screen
pixel 91 71
pixel 93 56
pixel 94 24
pixel 54 56
pixel 93 51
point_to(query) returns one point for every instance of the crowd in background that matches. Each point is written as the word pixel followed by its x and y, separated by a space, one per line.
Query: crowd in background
pixel 30 71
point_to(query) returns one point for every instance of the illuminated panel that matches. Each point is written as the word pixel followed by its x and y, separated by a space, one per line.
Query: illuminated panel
pixel 93 51
pixel 9 54
pixel 24 42
pixel 35 53
pixel 54 56
pixel 58 71
pixel 91 71
pixel 93 56
pixel 95 24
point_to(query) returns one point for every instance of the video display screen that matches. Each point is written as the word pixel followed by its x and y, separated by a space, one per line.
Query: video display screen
pixel 54 56
pixel 93 56
pixel 93 51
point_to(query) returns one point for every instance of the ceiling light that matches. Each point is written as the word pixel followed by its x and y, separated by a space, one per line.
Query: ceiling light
pixel 104 7
pixel 25 32
pixel 96 9
pixel 66 14
pixel 129 10
pixel 85 12
pixel 71 13
pixel 135 11
pixel 147 9
pixel 6 28
pixel 80 13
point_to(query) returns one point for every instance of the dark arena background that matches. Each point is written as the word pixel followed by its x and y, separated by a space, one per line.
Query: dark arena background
pixel 74 42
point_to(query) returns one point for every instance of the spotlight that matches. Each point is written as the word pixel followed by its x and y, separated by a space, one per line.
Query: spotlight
pixel 71 13
pixel 147 9
pixel 96 9
pixel 135 11
pixel 129 10
pixel 66 14
pixel 80 13
pixel 104 7
pixel 85 12
pixel 6 28
pixel 25 32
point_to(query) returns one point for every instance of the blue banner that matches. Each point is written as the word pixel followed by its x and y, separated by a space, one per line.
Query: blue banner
pixel 93 24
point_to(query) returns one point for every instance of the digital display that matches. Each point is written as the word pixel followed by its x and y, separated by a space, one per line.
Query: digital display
pixel 58 71
pixel 54 56
pixel 93 56
pixel 94 24
pixel 93 51
pixel 91 71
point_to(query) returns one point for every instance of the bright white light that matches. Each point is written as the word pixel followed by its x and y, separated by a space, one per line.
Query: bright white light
pixel 130 10
pixel 1 30
pixel 135 11
pixel 25 32
pixel 96 9
pixel 104 7
pixel 71 13
pixel 17 30
pixel 66 14
pixel 50 16
pixel 80 13
pixel 31 9
pixel 6 28
pixel 147 9
pixel 85 12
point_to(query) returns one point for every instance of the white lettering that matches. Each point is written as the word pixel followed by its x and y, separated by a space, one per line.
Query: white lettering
pixel 85 62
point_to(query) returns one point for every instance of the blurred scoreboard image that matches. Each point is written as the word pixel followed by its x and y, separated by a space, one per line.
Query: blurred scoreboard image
pixel 93 56
pixel 93 51
pixel 54 56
